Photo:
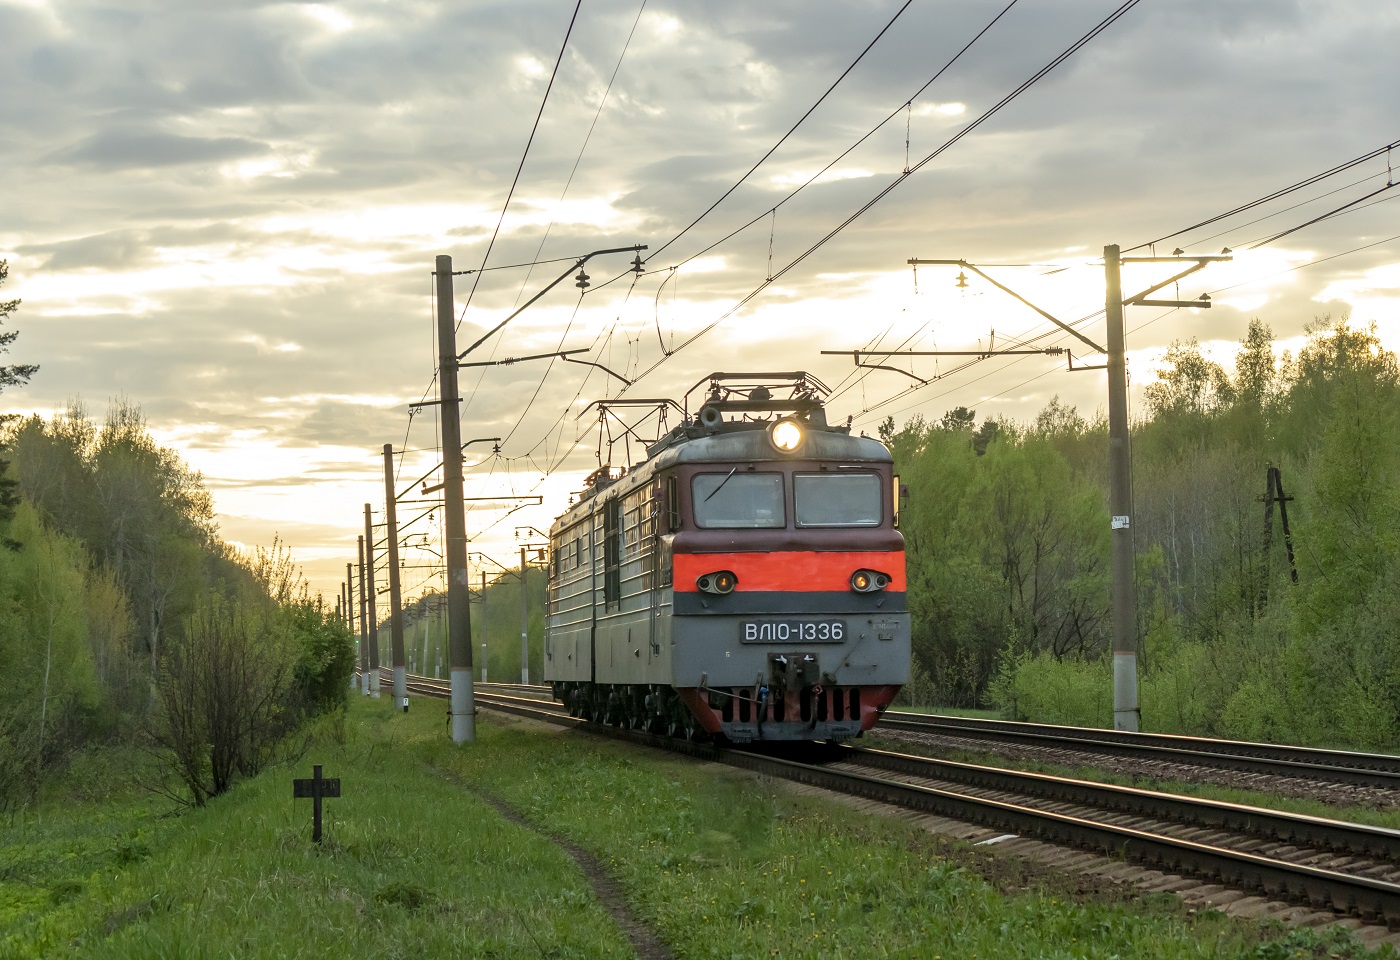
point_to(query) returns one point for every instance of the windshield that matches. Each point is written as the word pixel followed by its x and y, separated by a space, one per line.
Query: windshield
pixel 734 499
pixel 837 499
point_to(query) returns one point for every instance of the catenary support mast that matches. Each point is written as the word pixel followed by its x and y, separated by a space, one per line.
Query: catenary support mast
pixel 454 514
pixel 371 624
pixel 391 526
pixel 364 634
pixel 1120 504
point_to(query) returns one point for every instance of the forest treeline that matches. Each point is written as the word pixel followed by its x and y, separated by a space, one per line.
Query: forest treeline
pixel 125 618
pixel 1007 533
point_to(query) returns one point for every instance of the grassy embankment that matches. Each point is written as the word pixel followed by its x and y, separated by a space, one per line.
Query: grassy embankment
pixel 417 864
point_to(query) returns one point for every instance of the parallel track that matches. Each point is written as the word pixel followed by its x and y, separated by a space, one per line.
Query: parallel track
pixel 1347 868
pixel 1307 763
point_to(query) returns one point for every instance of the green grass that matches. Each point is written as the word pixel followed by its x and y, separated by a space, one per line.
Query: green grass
pixel 416 864
pixel 954 712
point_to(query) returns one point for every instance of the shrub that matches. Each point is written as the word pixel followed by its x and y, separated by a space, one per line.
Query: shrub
pixel 1042 689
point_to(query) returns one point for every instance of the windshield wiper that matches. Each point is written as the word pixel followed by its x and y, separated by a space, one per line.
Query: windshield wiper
pixel 721 485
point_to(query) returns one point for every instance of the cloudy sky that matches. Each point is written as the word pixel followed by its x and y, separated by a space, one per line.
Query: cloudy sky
pixel 229 213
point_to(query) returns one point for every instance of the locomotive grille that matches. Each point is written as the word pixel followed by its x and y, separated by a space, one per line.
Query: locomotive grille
pixel 821 704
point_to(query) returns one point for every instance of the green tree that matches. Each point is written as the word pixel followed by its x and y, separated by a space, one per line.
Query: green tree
pixel 958 418
pixel 10 376
pixel 1256 379
pixel 44 641
pixel 1189 384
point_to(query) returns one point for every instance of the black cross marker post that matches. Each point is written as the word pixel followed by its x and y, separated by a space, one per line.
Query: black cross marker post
pixel 317 788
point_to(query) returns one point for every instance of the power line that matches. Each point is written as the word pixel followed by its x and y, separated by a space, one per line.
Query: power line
pixel 948 144
pixel 1052 333
pixel 1283 192
pixel 791 130
pixel 587 137
pixel 845 153
pixel 768 154
pixel 511 193
pixel 1318 219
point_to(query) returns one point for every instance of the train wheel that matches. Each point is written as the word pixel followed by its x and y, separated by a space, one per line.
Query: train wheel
pixel 676 714
pixel 637 717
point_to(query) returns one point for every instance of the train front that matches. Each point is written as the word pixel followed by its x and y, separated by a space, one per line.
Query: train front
pixel 789 619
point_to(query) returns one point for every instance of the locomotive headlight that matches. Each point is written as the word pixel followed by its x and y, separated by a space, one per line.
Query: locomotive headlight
pixel 786 435
pixel 869 581
pixel 721 582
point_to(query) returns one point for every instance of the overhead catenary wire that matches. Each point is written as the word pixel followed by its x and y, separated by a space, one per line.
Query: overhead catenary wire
pixel 791 130
pixel 521 166
pixel 602 102
pixel 1060 58
pixel 561 454
pixel 864 137
pixel 1345 209
pixel 1276 194
pixel 1058 334
pixel 1107 21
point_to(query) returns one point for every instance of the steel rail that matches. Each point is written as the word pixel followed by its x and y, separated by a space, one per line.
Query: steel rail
pixel 1338 836
pixel 1312 763
pixel 1373 900
pixel 1335 766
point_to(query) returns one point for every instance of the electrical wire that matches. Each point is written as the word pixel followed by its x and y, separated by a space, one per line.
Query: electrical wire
pixel 1283 192
pixel 1329 214
pixel 781 140
pixel 1060 58
pixel 1057 335
pixel 511 193
pixel 584 146
pixel 563 453
pixel 847 152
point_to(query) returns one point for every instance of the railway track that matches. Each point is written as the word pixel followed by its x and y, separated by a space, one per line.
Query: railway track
pixel 1345 868
pixel 1371 770
pixel 1333 766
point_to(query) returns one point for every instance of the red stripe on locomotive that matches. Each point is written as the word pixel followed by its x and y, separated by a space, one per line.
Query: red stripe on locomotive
pixel 798 571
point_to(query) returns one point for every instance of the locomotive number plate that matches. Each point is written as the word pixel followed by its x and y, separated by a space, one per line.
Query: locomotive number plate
pixel 792 631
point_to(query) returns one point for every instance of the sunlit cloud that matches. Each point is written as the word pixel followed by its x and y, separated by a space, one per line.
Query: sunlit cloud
pixel 795 178
pixel 331 18
pixel 940 110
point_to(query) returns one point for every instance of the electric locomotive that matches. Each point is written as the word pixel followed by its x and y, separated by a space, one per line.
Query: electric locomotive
pixel 745 580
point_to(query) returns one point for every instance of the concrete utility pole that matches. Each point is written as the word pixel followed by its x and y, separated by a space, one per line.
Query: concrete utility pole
pixel 483 627
pixel 1123 590
pixel 524 624
pixel 391 524
pixel 372 624
pixel 1120 504
pixel 364 637
pixel 463 707
pixel 1126 712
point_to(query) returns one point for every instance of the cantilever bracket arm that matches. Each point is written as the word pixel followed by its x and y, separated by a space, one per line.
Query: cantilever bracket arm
pixel 590 363
pixel 881 366
pixel 1084 366
pixel 1005 289
pixel 638 248
pixel 1137 298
